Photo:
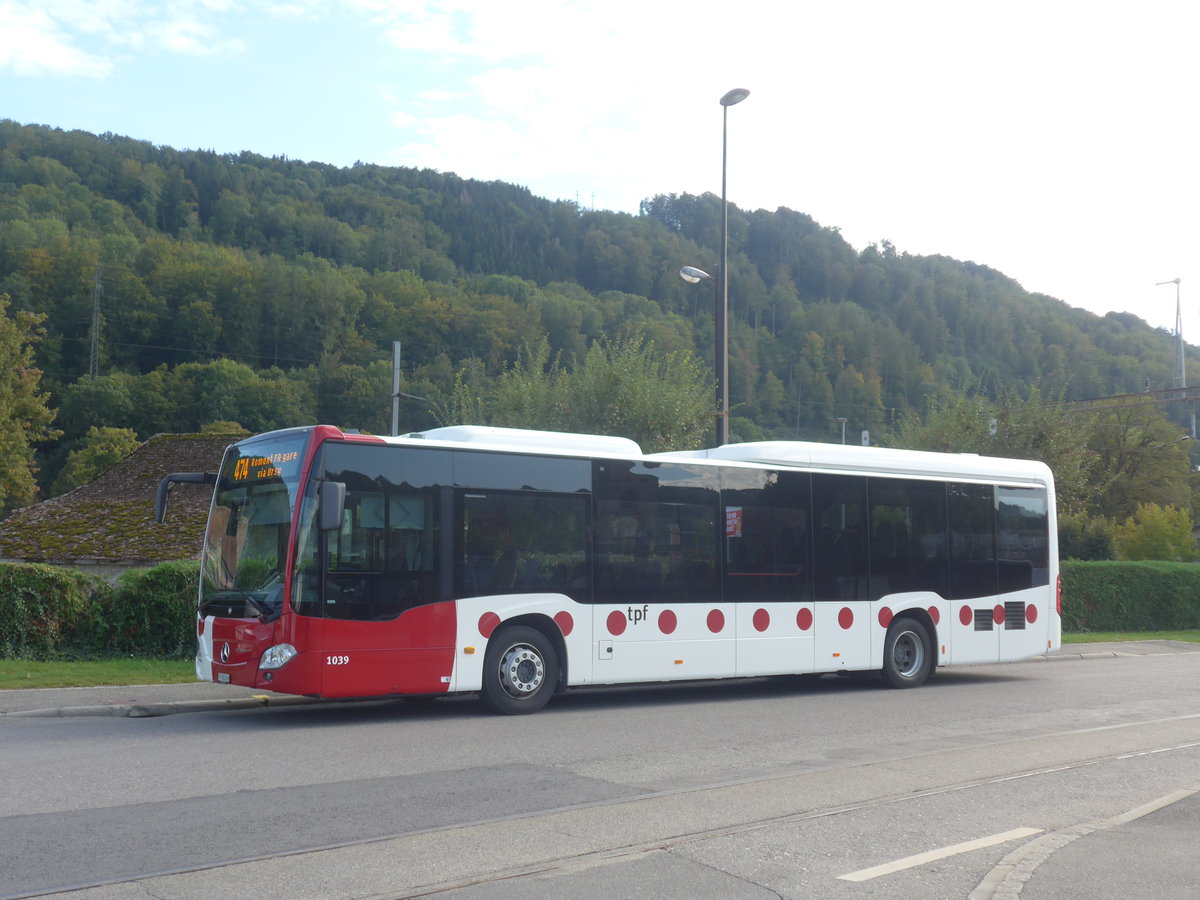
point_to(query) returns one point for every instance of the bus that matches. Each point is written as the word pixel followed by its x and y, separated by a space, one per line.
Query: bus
pixel 516 564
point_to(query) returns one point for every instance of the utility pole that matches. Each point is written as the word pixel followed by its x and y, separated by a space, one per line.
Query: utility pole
pixel 94 363
pixel 395 388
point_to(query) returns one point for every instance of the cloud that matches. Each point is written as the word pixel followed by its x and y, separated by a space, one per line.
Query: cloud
pixel 32 43
pixel 91 38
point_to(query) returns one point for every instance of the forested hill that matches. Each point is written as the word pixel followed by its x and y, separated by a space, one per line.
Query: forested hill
pixel 269 291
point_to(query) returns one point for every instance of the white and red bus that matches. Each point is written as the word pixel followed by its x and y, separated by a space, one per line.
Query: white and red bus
pixel 519 563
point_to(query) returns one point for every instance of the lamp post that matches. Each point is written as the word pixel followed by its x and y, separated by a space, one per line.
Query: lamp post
pixel 692 274
pixel 1180 373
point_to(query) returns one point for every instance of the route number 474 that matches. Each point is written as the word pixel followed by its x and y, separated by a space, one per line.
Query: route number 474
pixel 337 660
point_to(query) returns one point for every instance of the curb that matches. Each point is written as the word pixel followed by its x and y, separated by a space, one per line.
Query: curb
pixel 147 710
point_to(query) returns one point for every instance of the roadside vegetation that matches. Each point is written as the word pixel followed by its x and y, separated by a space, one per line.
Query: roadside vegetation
pixel 22 674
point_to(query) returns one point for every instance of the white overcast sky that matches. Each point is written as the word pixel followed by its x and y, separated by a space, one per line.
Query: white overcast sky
pixel 1054 141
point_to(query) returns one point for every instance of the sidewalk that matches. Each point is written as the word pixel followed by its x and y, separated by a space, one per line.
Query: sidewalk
pixel 138 700
pixel 166 699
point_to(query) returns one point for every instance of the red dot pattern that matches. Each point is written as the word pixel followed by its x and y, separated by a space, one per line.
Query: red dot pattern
pixel 487 623
pixel 565 623
pixel 716 621
pixel 1031 614
pixel 617 622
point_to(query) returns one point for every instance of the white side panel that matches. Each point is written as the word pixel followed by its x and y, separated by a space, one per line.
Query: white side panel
pixel 843 635
pixel 663 641
pixel 1027 621
pixel 775 638
pixel 973 634
pixel 204 649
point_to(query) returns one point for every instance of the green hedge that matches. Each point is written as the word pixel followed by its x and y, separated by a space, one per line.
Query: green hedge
pixel 1130 596
pixel 48 612
pixel 150 612
pixel 43 609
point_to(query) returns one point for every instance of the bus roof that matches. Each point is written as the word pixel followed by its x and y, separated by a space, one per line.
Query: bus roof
pixel 533 441
pixel 878 460
pixel 845 458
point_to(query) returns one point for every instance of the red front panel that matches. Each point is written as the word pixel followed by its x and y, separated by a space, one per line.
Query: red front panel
pixel 412 654
pixel 237 646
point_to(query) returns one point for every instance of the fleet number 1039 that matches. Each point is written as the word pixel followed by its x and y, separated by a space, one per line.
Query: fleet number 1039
pixel 337 660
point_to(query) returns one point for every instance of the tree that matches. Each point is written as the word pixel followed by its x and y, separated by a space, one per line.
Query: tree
pixel 1032 428
pixel 102 448
pixel 1141 457
pixel 625 388
pixel 25 416
pixel 1157 532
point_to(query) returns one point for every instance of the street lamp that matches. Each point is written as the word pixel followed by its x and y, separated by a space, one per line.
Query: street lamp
pixel 1180 374
pixel 692 275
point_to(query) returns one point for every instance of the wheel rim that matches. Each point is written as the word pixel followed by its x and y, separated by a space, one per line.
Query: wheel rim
pixel 522 671
pixel 908 654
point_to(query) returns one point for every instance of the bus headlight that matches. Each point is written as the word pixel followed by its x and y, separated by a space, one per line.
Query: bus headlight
pixel 277 657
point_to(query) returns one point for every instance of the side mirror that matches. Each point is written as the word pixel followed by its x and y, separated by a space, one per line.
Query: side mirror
pixel 331 503
pixel 160 500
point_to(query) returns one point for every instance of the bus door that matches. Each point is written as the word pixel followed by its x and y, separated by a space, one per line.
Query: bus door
pixel 768 569
pixel 975 622
pixel 842 613
pixel 1026 599
pixel 658 612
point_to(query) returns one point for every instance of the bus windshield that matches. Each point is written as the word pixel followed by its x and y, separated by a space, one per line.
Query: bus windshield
pixel 245 547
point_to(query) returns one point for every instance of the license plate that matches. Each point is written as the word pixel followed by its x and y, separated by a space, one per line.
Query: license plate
pixel 223 678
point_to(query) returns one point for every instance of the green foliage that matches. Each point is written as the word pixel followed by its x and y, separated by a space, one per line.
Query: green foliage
pixel 42 609
pixel 1031 428
pixel 150 612
pixel 1140 457
pixel 49 612
pixel 102 448
pixel 1085 537
pixel 625 388
pixel 1126 596
pixel 25 416
pixel 1156 532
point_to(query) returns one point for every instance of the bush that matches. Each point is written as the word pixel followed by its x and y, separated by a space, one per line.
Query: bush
pixel 43 609
pixel 48 612
pixel 1081 536
pixel 1156 532
pixel 1130 596
pixel 150 612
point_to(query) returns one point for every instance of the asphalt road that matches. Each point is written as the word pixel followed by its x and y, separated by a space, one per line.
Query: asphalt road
pixel 1063 778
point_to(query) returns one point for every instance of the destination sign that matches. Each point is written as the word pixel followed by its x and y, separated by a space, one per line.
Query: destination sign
pixel 261 468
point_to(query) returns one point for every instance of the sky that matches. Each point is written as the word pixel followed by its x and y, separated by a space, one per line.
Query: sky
pixel 1054 141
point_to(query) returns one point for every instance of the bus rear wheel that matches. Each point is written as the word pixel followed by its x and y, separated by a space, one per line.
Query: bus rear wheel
pixel 520 671
pixel 908 655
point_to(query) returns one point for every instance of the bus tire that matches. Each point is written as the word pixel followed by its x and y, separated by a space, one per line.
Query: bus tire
pixel 908 656
pixel 520 671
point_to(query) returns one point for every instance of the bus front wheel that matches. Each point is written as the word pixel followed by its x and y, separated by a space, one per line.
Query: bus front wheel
pixel 520 671
pixel 908 654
